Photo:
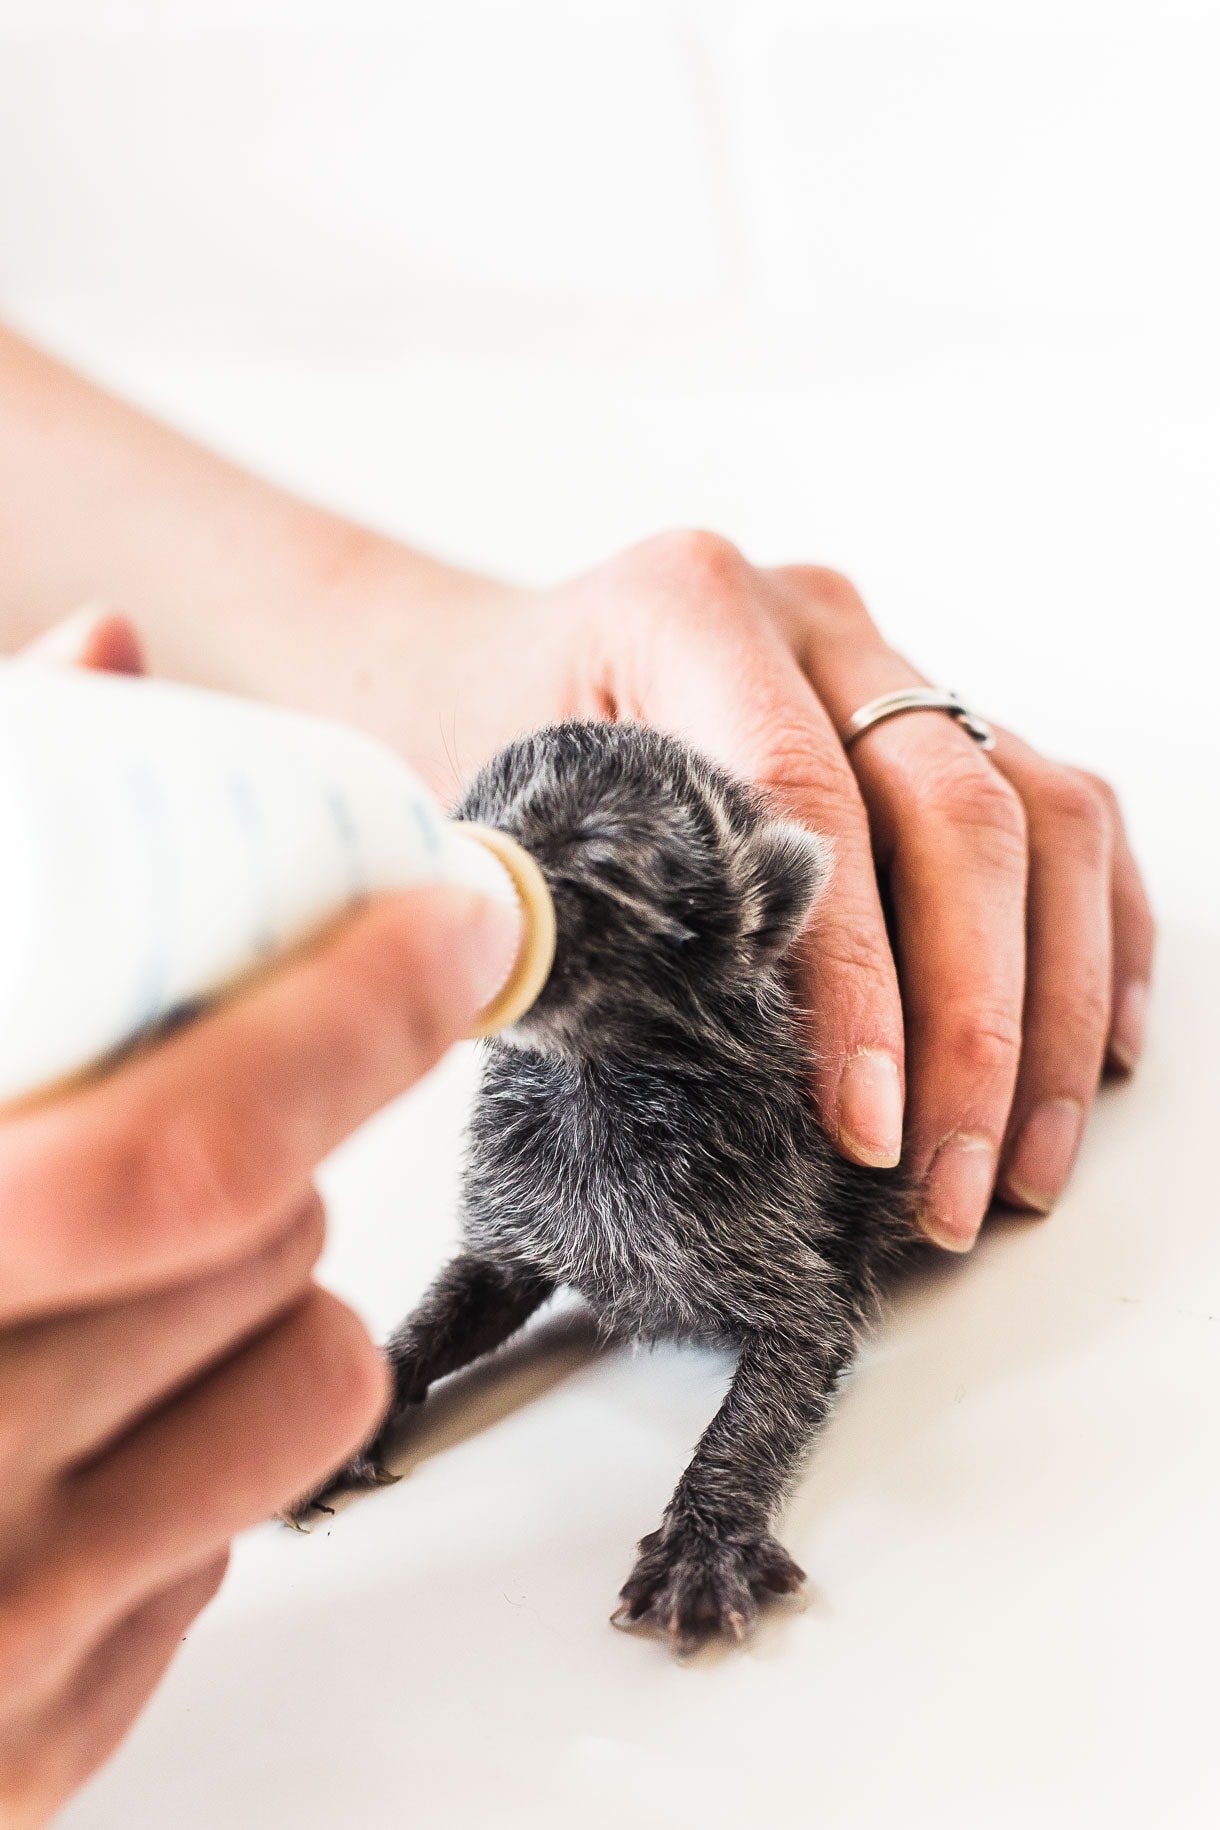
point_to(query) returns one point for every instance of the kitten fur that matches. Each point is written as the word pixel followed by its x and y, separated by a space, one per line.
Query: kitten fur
pixel 645 1136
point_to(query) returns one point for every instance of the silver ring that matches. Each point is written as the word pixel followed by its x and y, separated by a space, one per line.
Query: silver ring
pixel 918 699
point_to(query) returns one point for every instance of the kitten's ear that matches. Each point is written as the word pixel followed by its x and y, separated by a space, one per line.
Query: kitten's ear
pixel 785 870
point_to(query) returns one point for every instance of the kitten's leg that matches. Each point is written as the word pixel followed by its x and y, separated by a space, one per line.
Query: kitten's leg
pixel 713 1560
pixel 474 1305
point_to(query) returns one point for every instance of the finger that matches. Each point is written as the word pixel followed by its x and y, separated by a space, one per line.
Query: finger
pixel 950 831
pixel 1068 975
pixel 228 1453
pixel 70 1384
pixel 265 1427
pixel 187 1156
pixel 958 875
pixel 712 668
pixel 94 637
pixel 1134 930
pixel 79 1727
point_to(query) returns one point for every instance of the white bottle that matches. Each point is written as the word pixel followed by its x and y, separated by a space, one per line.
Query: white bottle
pixel 157 842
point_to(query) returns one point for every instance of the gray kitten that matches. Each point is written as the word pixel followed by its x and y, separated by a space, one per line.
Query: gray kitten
pixel 645 1136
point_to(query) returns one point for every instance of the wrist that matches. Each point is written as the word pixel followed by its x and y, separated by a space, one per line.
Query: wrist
pixel 441 663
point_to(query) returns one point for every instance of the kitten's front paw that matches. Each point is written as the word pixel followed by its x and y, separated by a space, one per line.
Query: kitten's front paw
pixel 362 1471
pixel 692 1587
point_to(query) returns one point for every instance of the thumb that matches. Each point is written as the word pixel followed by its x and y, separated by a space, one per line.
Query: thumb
pixel 452 950
pixel 225 1120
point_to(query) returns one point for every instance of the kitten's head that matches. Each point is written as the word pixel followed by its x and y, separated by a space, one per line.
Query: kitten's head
pixel 675 886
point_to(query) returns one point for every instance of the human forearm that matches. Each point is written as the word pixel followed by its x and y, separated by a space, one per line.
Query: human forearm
pixel 232 581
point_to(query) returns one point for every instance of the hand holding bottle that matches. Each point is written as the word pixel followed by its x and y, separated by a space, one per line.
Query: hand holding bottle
pixel 169 1371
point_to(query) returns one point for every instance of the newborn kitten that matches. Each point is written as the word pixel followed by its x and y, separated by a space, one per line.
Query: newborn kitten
pixel 645 1135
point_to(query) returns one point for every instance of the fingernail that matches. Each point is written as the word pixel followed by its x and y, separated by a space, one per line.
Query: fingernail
pixel 957 1191
pixel 1045 1149
pixel 870 1109
pixel 64 643
pixel 486 940
pixel 1130 1015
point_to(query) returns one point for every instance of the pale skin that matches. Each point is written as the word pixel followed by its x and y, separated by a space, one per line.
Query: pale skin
pixel 975 1043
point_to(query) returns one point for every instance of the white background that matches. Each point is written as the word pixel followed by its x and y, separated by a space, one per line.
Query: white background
pixel 928 292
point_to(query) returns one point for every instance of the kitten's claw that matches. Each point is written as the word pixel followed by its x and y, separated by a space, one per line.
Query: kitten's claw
pixel 735 1623
pixel 691 1588
pixel 362 1473
pixel 295 1516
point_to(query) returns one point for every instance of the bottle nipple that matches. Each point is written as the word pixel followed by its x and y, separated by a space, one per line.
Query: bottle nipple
pixel 537 952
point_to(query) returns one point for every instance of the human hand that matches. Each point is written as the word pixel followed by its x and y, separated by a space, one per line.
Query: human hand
pixel 1021 941
pixel 1012 1001
pixel 1022 938
pixel 169 1372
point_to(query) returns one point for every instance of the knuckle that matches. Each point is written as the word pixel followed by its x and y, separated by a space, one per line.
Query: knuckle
pixel 854 952
pixel 1072 805
pixel 286 1262
pixel 851 939
pixel 853 995
pixel 983 1043
pixel 833 590
pixel 693 559
pixel 308 1230
pixel 688 579
pixel 1074 1021
pixel 975 798
pixel 794 765
pixel 179 1180
pixel 1103 790
pixel 849 971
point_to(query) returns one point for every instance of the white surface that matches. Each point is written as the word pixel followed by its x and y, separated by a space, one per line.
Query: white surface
pixel 926 291
pixel 1010 1530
